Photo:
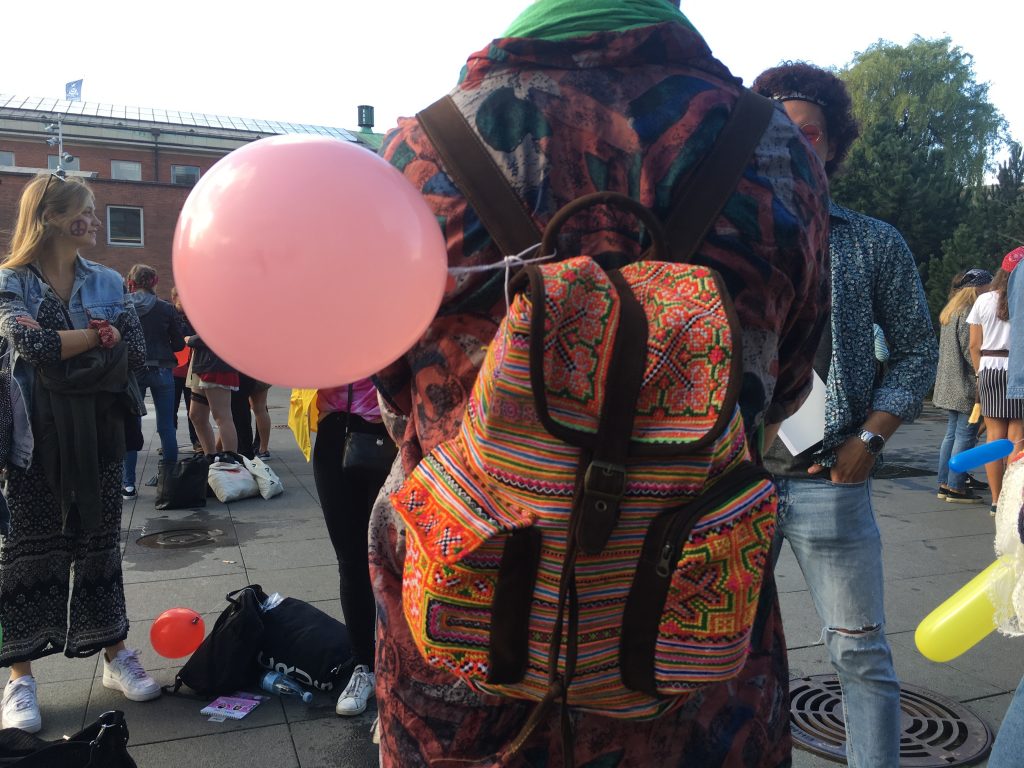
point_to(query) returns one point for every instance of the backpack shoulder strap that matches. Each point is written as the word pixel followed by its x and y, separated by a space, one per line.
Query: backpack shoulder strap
pixel 478 177
pixel 704 193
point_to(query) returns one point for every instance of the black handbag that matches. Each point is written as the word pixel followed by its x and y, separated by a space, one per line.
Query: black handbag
pixel 226 659
pixel 182 485
pixel 103 744
pixel 366 451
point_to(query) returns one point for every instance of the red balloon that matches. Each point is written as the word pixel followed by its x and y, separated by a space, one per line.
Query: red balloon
pixel 177 632
pixel 344 251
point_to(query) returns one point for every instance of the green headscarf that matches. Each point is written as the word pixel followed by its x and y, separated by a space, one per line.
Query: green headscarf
pixel 564 19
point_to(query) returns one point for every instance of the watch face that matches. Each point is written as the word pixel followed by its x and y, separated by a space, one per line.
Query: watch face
pixel 875 443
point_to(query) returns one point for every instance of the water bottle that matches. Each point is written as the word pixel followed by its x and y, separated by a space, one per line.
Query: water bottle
pixel 271 602
pixel 282 685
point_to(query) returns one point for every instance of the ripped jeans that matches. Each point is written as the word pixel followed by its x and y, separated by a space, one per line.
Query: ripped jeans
pixel 831 528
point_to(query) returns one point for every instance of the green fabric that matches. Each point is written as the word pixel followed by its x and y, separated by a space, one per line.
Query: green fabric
pixel 564 19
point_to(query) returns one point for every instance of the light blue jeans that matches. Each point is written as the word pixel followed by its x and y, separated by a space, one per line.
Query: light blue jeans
pixel 833 533
pixel 960 436
pixel 160 382
pixel 1008 751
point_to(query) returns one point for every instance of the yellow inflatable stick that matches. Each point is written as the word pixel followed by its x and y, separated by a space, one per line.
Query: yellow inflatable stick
pixel 964 619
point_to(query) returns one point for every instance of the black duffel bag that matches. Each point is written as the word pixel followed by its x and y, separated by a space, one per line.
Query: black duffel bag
pixel 306 644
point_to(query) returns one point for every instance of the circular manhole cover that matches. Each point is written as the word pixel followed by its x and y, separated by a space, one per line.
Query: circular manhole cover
pixel 180 538
pixel 936 733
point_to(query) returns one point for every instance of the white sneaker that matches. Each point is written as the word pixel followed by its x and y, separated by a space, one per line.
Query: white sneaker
pixel 20 709
pixel 358 691
pixel 125 674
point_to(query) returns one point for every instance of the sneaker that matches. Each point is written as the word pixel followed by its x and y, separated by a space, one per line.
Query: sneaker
pixel 941 495
pixel 992 511
pixel 974 484
pixel 20 708
pixel 125 674
pixel 265 456
pixel 358 691
pixel 961 497
pixel 129 492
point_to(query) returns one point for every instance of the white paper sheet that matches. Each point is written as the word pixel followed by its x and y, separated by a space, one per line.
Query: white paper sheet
pixel 806 427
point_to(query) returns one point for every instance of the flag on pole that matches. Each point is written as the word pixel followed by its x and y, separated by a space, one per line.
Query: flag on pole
pixel 73 91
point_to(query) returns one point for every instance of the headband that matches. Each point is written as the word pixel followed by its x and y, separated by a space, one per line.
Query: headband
pixel 798 96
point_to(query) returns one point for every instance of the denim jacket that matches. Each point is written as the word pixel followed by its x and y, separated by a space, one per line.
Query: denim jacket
pixel 1015 299
pixel 98 293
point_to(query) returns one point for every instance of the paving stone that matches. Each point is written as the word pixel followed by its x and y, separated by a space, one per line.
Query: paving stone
pixel 262 556
pixel 60 705
pixel 176 716
pixel 203 594
pixel 269 746
pixel 330 744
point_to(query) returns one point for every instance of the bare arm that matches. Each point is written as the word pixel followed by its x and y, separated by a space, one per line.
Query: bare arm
pixel 976 339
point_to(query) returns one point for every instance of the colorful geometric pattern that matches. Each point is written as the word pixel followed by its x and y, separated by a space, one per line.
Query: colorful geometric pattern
pixel 504 472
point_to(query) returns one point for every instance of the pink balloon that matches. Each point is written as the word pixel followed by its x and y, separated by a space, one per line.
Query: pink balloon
pixel 307 261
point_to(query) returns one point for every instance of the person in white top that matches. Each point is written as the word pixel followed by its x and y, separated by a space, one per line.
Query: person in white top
pixel 990 344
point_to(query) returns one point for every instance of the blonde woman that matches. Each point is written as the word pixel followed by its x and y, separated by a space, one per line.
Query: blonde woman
pixel 956 389
pixel 990 344
pixel 75 342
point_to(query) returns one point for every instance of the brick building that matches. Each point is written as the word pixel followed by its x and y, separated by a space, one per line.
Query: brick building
pixel 140 162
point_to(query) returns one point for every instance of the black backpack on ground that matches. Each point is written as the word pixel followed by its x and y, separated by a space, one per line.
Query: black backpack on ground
pixel 226 659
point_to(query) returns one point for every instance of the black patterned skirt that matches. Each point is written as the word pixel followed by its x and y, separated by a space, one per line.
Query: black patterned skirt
pixel 60 591
pixel 992 393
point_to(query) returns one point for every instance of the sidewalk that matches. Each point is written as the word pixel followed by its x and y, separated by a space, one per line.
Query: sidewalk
pixel 932 548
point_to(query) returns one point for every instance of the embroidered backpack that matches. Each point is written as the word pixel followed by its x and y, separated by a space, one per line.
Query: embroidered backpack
pixel 596 535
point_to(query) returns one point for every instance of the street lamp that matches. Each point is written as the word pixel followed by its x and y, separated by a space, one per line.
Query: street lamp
pixel 58 141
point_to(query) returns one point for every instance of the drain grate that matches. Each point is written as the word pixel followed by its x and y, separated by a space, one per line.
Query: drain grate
pixel 180 538
pixel 896 471
pixel 936 732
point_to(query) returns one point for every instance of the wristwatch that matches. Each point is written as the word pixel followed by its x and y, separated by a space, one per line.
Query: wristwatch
pixel 872 441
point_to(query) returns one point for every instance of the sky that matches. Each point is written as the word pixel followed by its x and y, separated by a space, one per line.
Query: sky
pixel 310 61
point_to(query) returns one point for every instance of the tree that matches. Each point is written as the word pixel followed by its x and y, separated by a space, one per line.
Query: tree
pixel 927 92
pixel 992 226
pixel 904 184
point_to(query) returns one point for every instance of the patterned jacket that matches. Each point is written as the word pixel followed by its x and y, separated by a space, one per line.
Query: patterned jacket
pixel 955 385
pixel 632 112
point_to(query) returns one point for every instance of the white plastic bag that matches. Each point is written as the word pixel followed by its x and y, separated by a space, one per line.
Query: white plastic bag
pixel 269 483
pixel 231 480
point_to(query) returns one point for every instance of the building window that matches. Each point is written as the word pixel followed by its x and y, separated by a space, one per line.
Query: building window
pixel 128 170
pixel 72 165
pixel 124 225
pixel 186 175
pixel 6 158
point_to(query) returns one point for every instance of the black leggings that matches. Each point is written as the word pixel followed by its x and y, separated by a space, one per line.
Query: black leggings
pixel 347 499
pixel 181 390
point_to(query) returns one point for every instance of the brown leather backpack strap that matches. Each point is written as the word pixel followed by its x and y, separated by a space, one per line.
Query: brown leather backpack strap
pixel 469 164
pixel 708 188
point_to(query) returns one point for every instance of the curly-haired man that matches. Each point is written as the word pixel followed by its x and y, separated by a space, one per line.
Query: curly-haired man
pixel 825 507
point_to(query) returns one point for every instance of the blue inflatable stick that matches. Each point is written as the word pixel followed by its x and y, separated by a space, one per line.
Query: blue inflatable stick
pixel 983 454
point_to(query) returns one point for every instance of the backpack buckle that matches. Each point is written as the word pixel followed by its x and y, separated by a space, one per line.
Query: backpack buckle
pixel 604 485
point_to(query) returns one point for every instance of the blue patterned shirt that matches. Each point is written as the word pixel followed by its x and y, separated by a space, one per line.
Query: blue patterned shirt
pixel 874 281
pixel 1015 300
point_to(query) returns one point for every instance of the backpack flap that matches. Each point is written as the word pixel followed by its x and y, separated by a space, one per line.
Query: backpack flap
pixel 226 659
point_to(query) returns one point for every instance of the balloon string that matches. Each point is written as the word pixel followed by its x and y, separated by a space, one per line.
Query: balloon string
pixel 506 263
